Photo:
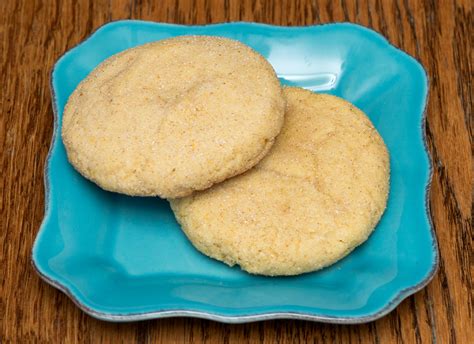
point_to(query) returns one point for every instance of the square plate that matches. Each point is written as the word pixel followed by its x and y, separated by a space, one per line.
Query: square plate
pixel 122 258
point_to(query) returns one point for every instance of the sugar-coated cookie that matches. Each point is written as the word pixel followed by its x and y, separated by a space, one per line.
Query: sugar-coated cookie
pixel 318 193
pixel 173 116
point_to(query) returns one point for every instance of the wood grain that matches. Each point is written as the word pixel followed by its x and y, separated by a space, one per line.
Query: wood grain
pixel 33 34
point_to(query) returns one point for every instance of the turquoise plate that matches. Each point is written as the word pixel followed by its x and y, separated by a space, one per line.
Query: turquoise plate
pixel 121 258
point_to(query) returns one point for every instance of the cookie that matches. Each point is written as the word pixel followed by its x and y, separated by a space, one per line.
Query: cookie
pixel 317 195
pixel 173 116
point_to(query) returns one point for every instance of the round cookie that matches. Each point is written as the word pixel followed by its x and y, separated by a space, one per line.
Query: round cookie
pixel 173 116
pixel 318 193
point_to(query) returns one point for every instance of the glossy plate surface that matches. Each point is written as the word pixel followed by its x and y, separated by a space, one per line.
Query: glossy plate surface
pixel 122 258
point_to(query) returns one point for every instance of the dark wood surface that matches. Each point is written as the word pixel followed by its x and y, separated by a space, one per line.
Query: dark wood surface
pixel 33 34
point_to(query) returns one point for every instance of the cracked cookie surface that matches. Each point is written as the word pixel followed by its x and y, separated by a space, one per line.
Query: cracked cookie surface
pixel 173 116
pixel 318 193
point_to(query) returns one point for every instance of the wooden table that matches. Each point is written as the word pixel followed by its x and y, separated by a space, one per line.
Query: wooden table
pixel 33 34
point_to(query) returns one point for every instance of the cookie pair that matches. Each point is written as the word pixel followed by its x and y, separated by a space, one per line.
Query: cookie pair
pixel 174 117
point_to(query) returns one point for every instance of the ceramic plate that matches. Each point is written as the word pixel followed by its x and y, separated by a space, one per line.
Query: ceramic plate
pixel 121 258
